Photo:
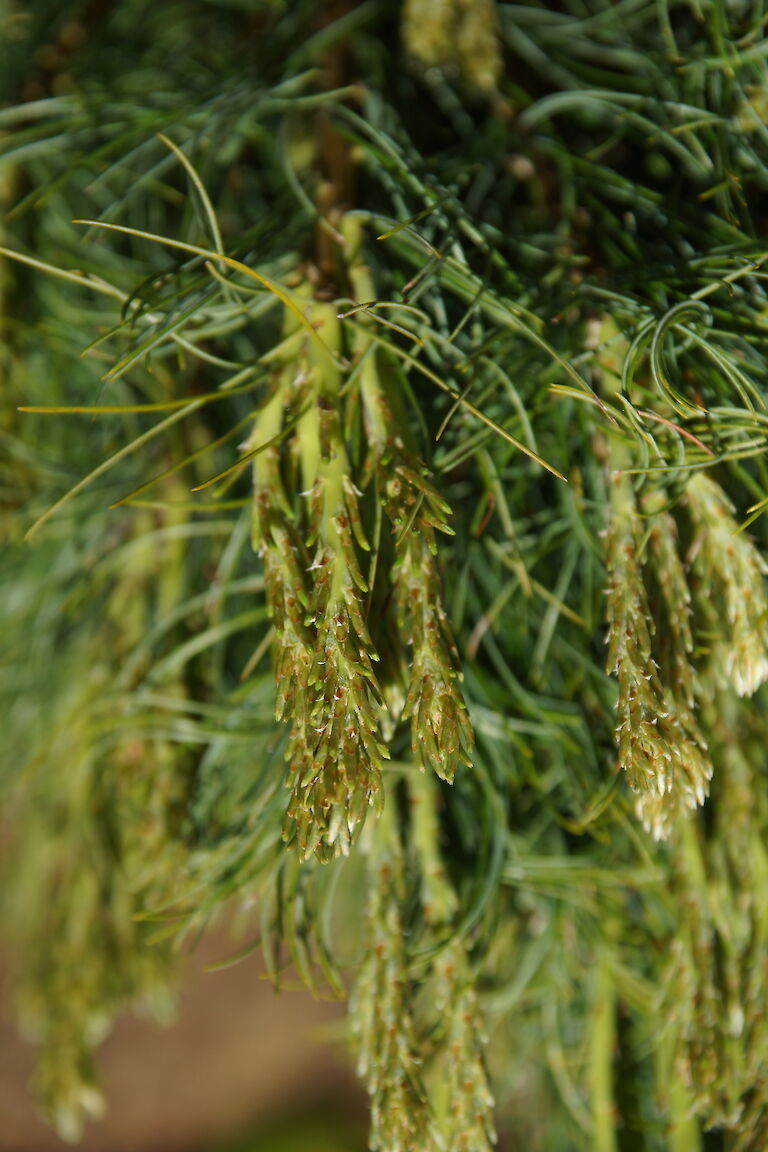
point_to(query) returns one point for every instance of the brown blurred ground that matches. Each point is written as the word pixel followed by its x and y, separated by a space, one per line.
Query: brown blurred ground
pixel 237 1052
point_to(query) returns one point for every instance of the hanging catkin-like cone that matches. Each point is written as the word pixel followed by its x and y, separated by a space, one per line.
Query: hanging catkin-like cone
pixel 660 745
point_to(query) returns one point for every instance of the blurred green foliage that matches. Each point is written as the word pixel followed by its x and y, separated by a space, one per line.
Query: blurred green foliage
pixel 566 259
pixel 314 1128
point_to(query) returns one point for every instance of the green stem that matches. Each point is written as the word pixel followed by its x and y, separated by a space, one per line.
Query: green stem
pixel 602 1044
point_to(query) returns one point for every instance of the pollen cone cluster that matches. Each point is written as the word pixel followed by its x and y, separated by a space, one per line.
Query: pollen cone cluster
pixel 385 1031
pixel 339 589
pixel 666 610
pixel 718 966
pixel 730 574
pixel 104 845
pixel 418 1025
pixel 459 36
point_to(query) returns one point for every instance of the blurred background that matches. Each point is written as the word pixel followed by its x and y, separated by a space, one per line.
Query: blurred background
pixel 242 1068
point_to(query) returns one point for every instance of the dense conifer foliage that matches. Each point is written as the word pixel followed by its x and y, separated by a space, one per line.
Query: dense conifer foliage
pixel 383 426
